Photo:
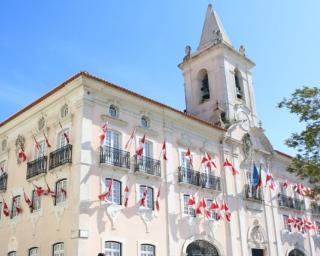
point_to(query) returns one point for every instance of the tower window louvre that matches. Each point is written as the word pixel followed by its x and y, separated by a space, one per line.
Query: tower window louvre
pixel 205 88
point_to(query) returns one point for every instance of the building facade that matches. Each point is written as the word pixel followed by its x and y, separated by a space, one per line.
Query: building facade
pixel 68 189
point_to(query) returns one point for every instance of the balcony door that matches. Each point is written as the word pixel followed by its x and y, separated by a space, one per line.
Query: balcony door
pixel 112 144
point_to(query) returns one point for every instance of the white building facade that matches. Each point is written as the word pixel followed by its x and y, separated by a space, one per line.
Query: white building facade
pixel 148 205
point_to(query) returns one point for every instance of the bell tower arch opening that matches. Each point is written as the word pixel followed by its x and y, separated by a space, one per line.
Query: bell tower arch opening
pixel 204 85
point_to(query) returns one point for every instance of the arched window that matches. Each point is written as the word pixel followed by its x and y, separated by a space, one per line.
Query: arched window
pixel 202 248
pixel 145 122
pixel 204 85
pixel 13 253
pixel 61 191
pixel 113 111
pixel 33 251
pixel 58 249
pixel 147 250
pixel 112 248
pixel 238 84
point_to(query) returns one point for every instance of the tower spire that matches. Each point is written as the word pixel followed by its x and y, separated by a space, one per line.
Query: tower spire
pixel 213 30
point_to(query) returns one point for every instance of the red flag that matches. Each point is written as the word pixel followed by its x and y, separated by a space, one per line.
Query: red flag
pixel 139 150
pixel 27 200
pixel 38 147
pixel 270 181
pixel 226 211
pixel 66 136
pixel 228 164
pixel 214 206
pixel 290 220
pixel 47 140
pixel 143 198
pixel 300 189
pixel 207 213
pixel 40 191
pixel 105 196
pixel 285 184
pixel 126 197
pixel 191 201
pixel 63 191
pixel 189 157
pixel 202 205
pixel 6 211
pixel 164 151
pixel 102 136
pixel 157 200
pixel 22 155
pixel 49 192
pixel 208 162
pixel 133 134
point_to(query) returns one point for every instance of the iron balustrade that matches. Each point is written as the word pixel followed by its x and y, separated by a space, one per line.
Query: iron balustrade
pixel 147 165
pixel 210 181
pixel 189 176
pixel 60 156
pixel 3 181
pixel 115 157
pixel 315 208
pixel 37 167
pixel 253 193
pixel 289 202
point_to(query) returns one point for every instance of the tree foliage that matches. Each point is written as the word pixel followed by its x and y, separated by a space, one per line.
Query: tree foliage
pixel 305 103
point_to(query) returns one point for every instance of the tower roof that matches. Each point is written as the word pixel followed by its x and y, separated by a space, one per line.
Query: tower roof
pixel 213 30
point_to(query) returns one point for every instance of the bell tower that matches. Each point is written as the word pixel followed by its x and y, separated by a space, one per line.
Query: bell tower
pixel 217 77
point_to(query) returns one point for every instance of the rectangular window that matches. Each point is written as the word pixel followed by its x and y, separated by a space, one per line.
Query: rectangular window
pixel 115 196
pixel 188 210
pixel 16 205
pixel 58 249
pixel 62 141
pixel 113 139
pixel 34 251
pixel 41 151
pixel 61 191
pixel 36 201
pixel 148 191
pixel 112 248
pixel 147 250
pixel 148 149
pixel 185 161
pixel 286 225
pixel 213 213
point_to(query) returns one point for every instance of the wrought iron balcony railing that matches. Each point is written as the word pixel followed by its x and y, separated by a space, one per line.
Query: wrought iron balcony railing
pixel 315 209
pixel 289 202
pixel 37 167
pixel 210 181
pixel 115 157
pixel 253 193
pixel 189 176
pixel 147 165
pixel 3 181
pixel 60 157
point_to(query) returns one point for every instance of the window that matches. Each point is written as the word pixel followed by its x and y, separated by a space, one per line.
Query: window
pixel 34 251
pixel 287 226
pixel 113 111
pixel 36 201
pixel 300 226
pixel 283 190
pixel 13 253
pixel 61 191
pixel 148 192
pixel 188 210
pixel 238 84
pixel 113 139
pixel 145 122
pixel 185 162
pixel 115 196
pixel 214 214
pixel 58 249
pixel 112 248
pixel 64 111
pixel 40 152
pixel 62 141
pixel 16 206
pixel 148 149
pixel 204 86
pixel 147 250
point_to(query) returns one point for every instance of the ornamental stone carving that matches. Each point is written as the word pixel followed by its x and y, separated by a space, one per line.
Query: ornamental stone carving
pixel 247 147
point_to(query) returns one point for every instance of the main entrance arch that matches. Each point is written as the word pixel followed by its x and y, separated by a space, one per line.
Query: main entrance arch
pixel 296 252
pixel 202 248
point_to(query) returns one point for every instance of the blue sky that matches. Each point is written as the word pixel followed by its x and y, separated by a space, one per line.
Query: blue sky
pixel 138 44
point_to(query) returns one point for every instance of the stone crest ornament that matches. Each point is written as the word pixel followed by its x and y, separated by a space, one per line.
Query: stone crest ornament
pixel 187 51
pixel 242 50
pixel 247 147
pixel 41 123
pixel 256 235
pixel 20 145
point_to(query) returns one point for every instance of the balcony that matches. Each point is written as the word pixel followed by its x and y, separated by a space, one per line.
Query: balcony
pixel 210 181
pixel 252 193
pixel 60 157
pixel 147 165
pixel 289 202
pixel 115 157
pixel 3 181
pixel 315 208
pixel 189 176
pixel 37 167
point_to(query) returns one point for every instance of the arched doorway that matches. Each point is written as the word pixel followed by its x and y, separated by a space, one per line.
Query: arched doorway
pixel 296 252
pixel 202 248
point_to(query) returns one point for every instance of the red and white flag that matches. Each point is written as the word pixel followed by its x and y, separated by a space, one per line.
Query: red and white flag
pixel 38 147
pixel 233 169
pixel 39 191
pixel 189 157
pixel 22 155
pixel 105 196
pixel 226 211
pixel 27 200
pixel 126 196
pixel 6 210
pixel 65 134
pixel 140 149
pixel 164 151
pixel 299 188
pixel 285 184
pixel 270 181
pixel 133 134
pixel 201 206
pixel 214 206
pixel 47 140
pixel 208 162
pixel 158 199
pixel 103 134
pixel 191 201
pixel 291 220
pixel 142 201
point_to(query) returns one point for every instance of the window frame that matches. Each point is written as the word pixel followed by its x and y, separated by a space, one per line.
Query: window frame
pixel 112 242
pixel 148 200
pixel 110 141
pixel 56 244
pixel 32 248
pixel 106 183
pixel 238 81
pixel 61 140
pixel 14 212
pixel 187 211
pixel 145 122
pixel 113 109
pixel 11 253
pixel 147 253
pixel 35 198
pixel 40 153
pixel 286 225
pixel 58 193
